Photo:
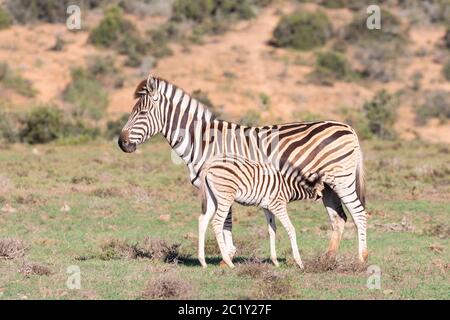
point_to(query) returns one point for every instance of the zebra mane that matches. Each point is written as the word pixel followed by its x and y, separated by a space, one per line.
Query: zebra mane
pixel 141 89
pixel 200 104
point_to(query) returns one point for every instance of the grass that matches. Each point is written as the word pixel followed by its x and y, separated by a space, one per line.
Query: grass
pixel 116 198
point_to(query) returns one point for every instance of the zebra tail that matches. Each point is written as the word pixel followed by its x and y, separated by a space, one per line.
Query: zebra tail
pixel 360 181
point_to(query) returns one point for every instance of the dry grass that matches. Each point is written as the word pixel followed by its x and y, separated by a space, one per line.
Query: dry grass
pixel 149 248
pixel 32 268
pixel 438 230
pixel 274 285
pixel 167 286
pixel 320 263
pixel 253 268
pixel 11 248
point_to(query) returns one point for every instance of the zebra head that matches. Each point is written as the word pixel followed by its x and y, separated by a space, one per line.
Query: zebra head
pixel 145 118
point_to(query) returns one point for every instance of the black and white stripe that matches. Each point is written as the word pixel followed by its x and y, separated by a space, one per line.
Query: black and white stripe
pixel 325 155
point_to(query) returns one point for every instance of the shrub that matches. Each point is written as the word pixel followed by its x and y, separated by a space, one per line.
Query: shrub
pixel 104 70
pixel 42 125
pixel 12 80
pixel 391 30
pixel 26 11
pixel 331 65
pixel 5 19
pixel 305 116
pixel 436 105
pixel 201 10
pixel 302 30
pixel 381 114
pixel 86 94
pixel 167 286
pixel 112 30
pixel 47 123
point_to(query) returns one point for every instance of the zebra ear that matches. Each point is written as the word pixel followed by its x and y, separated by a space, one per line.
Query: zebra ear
pixel 151 84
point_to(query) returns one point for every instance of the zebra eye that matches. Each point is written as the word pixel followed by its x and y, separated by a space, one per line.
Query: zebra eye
pixel 143 112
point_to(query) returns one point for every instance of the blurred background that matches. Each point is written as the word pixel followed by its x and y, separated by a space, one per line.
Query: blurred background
pixel 254 61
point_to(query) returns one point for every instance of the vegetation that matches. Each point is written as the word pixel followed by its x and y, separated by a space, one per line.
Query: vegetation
pixel 114 127
pixel 250 117
pixel 446 71
pixel 404 223
pixel 331 65
pixel 5 19
pixel 302 30
pixel 436 105
pixel 381 114
pixel 447 38
pixel 86 94
pixel 13 80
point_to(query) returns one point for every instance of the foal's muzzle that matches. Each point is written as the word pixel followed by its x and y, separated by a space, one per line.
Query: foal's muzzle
pixel 125 144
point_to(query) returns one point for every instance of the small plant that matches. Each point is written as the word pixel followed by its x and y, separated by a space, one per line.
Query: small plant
pixel 264 100
pixel 5 19
pixel 302 30
pixel 11 248
pixel 86 94
pixel 381 114
pixel 358 121
pixel 12 80
pixel 9 127
pixel 305 116
pixel 447 38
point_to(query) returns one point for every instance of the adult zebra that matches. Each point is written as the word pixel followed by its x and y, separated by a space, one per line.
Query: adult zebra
pixel 326 154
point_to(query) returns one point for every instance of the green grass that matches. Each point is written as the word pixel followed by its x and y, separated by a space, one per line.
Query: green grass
pixel 113 195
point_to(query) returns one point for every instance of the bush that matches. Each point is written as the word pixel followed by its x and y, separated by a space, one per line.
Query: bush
pixel 5 19
pixel 42 125
pixel 436 105
pixel 86 94
pixel 202 10
pixel 305 116
pixel 12 80
pixel 391 31
pixel 331 65
pixel 103 69
pixel 26 11
pixel 381 114
pixel 358 121
pixel 302 30
pixel 112 30
pixel 339 4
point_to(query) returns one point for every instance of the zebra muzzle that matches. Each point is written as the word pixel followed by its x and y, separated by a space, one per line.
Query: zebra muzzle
pixel 125 144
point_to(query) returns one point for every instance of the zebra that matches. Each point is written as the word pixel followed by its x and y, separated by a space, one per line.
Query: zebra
pixel 229 178
pixel 327 153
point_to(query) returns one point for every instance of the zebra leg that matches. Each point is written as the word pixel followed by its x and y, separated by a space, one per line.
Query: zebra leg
pixel 281 213
pixel 272 232
pixel 337 218
pixel 353 204
pixel 228 225
pixel 218 224
pixel 208 208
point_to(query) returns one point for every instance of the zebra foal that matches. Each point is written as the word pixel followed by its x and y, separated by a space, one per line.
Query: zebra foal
pixel 230 178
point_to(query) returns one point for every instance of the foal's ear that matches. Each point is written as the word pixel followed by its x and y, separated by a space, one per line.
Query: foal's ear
pixel 141 89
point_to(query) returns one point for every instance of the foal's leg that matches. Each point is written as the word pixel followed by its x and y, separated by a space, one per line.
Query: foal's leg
pixel 223 206
pixel 272 232
pixel 337 217
pixel 209 208
pixel 227 228
pixel 279 210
